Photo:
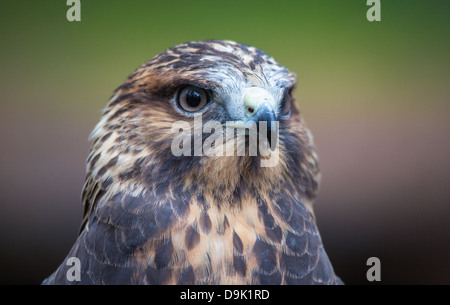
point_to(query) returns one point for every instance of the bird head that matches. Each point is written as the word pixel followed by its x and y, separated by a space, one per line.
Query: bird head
pixel 221 82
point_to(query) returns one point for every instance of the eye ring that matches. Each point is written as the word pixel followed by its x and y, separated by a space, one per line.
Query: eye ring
pixel 192 99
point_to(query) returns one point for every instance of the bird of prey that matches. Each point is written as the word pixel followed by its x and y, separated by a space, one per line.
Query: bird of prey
pixel 155 217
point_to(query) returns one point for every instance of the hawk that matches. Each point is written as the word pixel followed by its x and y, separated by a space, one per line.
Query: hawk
pixel 155 217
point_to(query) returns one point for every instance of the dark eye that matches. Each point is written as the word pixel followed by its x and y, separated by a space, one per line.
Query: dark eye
pixel 192 99
pixel 285 105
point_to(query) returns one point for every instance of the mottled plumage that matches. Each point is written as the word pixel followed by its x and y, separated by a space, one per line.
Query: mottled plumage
pixel 151 217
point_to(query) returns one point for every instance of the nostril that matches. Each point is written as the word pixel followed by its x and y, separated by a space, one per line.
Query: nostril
pixel 250 109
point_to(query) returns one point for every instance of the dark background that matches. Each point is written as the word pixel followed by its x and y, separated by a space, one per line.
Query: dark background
pixel 375 95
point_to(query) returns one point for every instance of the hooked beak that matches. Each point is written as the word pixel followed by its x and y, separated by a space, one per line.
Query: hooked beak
pixel 260 107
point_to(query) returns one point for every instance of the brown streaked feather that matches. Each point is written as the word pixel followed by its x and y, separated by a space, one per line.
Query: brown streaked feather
pixel 89 197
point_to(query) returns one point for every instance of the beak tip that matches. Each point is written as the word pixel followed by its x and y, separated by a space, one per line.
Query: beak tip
pixel 266 114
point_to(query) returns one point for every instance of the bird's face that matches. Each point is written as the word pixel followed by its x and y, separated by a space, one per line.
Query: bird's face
pixel 224 81
pixel 221 81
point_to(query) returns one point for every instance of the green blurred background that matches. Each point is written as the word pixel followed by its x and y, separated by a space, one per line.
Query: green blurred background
pixel 375 95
